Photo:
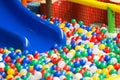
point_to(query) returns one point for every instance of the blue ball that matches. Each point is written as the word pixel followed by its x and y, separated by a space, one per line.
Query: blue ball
pixel 107 58
pixel 89 51
pixel 37 67
pixel 94 34
pixel 88 28
pixel 67 24
pixel 57 73
pixel 72 70
pixel 3 74
pixel 13 55
pixel 82 62
pixel 84 37
pixel 76 64
pixel 26 60
pixel 23 76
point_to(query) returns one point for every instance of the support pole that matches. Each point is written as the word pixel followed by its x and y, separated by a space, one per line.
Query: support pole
pixel 49 8
pixel 111 21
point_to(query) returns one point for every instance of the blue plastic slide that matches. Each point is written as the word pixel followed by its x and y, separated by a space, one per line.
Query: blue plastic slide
pixel 21 29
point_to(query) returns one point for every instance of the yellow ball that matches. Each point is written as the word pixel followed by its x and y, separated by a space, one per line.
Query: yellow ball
pixel 95 78
pixel 110 67
pixel 45 66
pixel 91 45
pixel 93 29
pixel 77 47
pixel 101 46
pixel 62 25
pixel 51 22
pixel 80 30
pixel 9 76
pixel 18 50
pixel 10 72
pixel 105 71
pixel 31 68
pixel 99 71
pixel 65 29
pixel 88 33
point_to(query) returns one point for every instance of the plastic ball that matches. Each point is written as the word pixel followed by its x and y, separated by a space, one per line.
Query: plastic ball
pixel 56 78
pixel 87 74
pixel 101 46
pixel 80 30
pixel 37 75
pixel 1 50
pixel 10 72
pixel 7 59
pixel 77 76
pixel 118 35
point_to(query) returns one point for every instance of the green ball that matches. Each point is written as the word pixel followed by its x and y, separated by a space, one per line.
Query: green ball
pixel 26 78
pixel 53 71
pixel 84 54
pixel 87 74
pixel 77 54
pixel 6 67
pixel 63 56
pixel 28 74
pixel 71 64
pixel 51 52
pixel 69 46
pixel 86 46
pixel 11 49
pixel 112 55
pixel 117 50
pixel 18 79
pixel 103 65
pixel 103 31
pixel 80 22
pixel 68 76
pixel 77 69
pixel 110 62
pixel 46 75
pixel 113 71
pixel 20 68
pixel 73 20
pixel 33 62
pixel 102 76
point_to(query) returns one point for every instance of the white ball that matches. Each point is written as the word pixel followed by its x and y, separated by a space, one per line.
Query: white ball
pixel 77 76
pixel 96 57
pixel 69 55
pixel 88 63
pixel 54 55
pixel 56 78
pixel 38 75
pixel 32 77
pixel 24 71
pixel 1 59
pixel 61 64
pixel 62 77
pixel 2 65
pixel 93 69
pixel 114 60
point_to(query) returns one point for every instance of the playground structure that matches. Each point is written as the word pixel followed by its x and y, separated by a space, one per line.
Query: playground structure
pixel 67 10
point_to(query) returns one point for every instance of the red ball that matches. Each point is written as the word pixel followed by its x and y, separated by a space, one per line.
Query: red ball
pixel 118 35
pixel 30 57
pixel 99 37
pixel 66 50
pixel 12 65
pixel 19 60
pixel 69 33
pixel 1 69
pixel 36 55
pixel 90 58
pixel 49 78
pixel 66 68
pixel 107 49
pixel 7 59
pixel 81 71
pixel 118 40
pixel 97 30
pixel 57 68
pixel 1 50
pixel 117 66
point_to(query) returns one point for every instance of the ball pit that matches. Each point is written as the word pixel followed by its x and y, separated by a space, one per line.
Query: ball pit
pixel 88 55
